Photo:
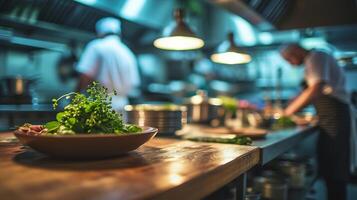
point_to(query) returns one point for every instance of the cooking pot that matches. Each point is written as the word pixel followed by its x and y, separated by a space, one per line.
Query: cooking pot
pixel 16 86
pixel 275 189
pixel 296 173
pixel 271 186
pixel 201 109
pixel 167 118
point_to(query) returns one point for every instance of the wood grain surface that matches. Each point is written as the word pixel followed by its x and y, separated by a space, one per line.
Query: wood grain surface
pixel 161 169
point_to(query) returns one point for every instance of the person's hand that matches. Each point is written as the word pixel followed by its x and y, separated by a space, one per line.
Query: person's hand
pixel 287 111
pixel 299 120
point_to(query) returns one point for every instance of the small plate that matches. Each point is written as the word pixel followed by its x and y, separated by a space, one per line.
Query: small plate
pixel 86 146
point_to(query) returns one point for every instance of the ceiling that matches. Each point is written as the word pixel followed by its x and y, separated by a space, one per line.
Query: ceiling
pixel 255 22
pixel 59 21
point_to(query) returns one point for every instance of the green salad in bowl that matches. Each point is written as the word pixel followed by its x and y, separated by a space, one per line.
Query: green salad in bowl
pixel 87 128
pixel 85 114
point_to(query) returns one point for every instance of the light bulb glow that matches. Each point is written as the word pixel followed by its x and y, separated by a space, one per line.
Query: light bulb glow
pixel 231 58
pixel 178 43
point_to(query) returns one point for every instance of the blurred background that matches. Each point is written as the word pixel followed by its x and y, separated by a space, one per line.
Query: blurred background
pixel 42 40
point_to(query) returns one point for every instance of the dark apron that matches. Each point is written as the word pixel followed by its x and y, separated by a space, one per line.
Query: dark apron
pixel 333 144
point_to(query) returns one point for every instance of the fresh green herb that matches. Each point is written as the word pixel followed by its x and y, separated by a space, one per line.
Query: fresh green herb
pixel 240 140
pixel 52 126
pixel 89 114
pixel 283 122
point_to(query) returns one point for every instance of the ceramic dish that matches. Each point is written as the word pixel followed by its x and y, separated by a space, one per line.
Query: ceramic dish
pixel 86 146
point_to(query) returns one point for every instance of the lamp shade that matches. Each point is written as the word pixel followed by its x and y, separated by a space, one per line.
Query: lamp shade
pixel 231 55
pixel 179 37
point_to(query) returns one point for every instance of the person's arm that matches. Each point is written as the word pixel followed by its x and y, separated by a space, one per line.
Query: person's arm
pixel 316 75
pixel 84 81
pixel 305 98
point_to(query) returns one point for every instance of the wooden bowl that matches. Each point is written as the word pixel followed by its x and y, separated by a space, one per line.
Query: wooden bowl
pixel 86 146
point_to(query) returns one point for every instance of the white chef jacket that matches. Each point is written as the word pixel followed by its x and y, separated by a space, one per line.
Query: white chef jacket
pixel 111 63
pixel 320 66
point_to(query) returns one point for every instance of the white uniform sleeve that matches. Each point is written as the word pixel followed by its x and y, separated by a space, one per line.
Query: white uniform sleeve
pixel 316 69
pixel 135 73
pixel 89 61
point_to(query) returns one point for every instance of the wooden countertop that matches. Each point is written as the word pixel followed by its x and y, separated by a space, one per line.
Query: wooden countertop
pixel 161 169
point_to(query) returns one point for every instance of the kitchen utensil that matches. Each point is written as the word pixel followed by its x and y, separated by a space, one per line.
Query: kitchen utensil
pixel 167 118
pixel 86 146
pixel 201 109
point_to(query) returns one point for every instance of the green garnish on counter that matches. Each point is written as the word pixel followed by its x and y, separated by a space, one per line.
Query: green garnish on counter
pixel 89 114
pixel 283 122
pixel 240 140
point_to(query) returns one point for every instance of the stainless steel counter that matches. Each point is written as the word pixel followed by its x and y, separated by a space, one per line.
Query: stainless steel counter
pixel 274 144
pixel 278 142
pixel 13 108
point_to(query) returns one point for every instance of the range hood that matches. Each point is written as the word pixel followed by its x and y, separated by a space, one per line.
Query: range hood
pixel 59 22
pixel 317 13
pixel 150 13
pixel 293 14
pixel 67 21
pixel 45 24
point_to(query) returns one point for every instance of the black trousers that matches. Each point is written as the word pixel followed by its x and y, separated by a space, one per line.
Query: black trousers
pixel 336 190
pixel 333 145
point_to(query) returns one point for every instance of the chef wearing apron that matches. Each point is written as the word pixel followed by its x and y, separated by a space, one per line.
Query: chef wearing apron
pixel 326 91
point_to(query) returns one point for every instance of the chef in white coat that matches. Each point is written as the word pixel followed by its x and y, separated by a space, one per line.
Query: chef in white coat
pixel 326 91
pixel 110 62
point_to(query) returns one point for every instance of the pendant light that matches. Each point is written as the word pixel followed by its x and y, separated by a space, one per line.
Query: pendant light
pixel 180 36
pixel 231 55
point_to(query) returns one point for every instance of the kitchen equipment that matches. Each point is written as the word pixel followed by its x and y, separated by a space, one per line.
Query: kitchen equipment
pixel 296 173
pixel 275 189
pixel 258 183
pixel 16 86
pixel 243 118
pixel 86 146
pixel 67 62
pixel 167 118
pixel 252 196
pixel 271 185
pixel 201 109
